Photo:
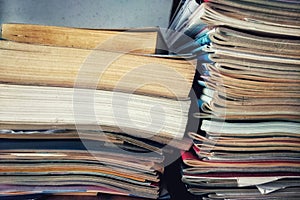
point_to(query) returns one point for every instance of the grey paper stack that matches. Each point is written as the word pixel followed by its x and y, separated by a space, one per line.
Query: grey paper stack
pixel 248 145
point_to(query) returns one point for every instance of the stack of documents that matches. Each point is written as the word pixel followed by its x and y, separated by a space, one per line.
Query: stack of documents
pixel 88 111
pixel 248 62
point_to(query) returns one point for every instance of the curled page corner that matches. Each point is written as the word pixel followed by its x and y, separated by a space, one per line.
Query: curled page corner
pixel 267 189
pixel 251 181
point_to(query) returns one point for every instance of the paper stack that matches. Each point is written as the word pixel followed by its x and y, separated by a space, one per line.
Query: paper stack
pixel 87 111
pixel 248 62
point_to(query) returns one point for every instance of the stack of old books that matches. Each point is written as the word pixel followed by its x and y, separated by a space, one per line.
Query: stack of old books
pixel 87 111
pixel 248 146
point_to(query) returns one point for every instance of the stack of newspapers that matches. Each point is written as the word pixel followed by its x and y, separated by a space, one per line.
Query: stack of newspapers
pixel 88 111
pixel 248 145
